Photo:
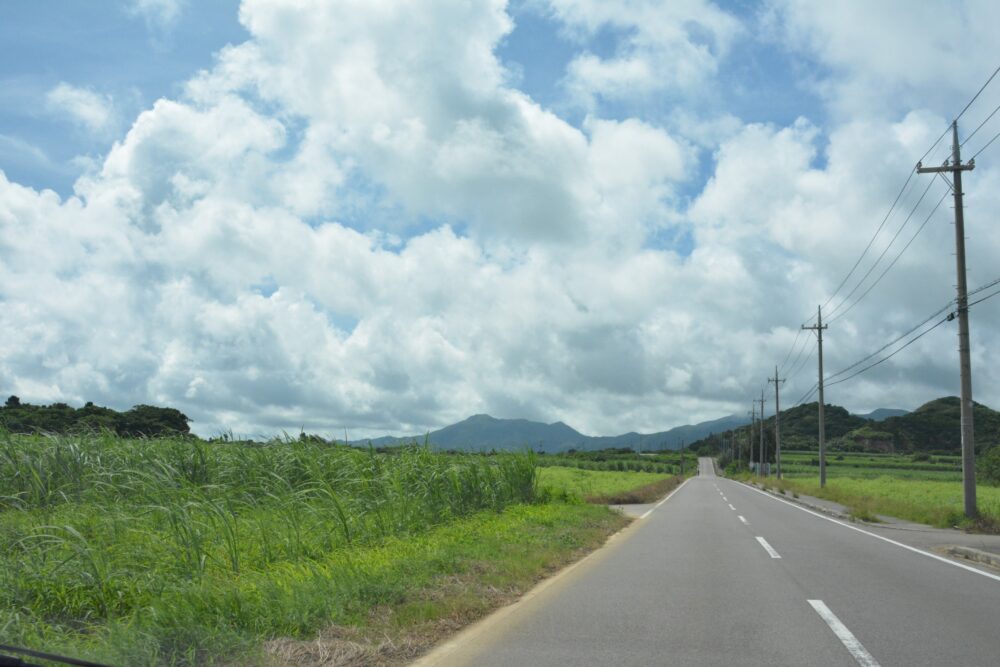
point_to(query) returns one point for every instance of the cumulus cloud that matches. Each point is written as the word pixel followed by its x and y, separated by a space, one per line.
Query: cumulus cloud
pixel 354 220
pixel 90 110
pixel 661 46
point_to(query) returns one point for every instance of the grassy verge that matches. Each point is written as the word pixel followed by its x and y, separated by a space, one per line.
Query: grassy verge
pixel 930 502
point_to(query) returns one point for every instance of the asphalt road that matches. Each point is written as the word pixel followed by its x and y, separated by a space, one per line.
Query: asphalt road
pixel 722 574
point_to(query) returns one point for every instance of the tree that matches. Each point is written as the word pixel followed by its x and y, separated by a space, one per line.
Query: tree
pixel 13 402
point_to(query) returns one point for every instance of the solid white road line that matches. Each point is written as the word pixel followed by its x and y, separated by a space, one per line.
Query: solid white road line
pixel 731 507
pixel 665 499
pixel 879 537
pixel 851 642
pixel 768 548
pixel 742 519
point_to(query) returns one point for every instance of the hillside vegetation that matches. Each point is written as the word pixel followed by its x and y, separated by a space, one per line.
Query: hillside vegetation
pixel 933 427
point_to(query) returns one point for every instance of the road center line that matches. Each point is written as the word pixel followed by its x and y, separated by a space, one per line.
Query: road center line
pixel 742 519
pixel 848 639
pixel 731 507
pixel 878 537
pixel 726 499
pixel 768 548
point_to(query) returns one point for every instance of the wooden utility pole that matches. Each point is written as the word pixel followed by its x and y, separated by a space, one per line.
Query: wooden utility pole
pixel 777 419
pixel 965 364
pixel 760 467
pixel 818 328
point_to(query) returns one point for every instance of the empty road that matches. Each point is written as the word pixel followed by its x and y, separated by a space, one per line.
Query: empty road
pixel 722 574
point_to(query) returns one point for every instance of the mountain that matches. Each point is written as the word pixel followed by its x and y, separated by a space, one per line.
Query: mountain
pixel 932 426
pixel 881 414
pixel 483 432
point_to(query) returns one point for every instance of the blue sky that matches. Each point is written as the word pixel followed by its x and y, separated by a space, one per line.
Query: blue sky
pixel 330 214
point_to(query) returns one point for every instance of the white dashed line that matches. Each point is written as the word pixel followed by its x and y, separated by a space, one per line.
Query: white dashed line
pixel 742 519
pixel 768 548
pixel 851 642
pixel 731 507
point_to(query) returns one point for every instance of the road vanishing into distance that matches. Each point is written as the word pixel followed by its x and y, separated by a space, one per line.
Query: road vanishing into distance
pixel 722 574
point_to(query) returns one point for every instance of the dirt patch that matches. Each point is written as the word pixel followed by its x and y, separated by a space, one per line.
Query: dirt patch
pixel 640 495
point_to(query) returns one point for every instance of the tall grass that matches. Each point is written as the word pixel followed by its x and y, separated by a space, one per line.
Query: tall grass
pixel 183 542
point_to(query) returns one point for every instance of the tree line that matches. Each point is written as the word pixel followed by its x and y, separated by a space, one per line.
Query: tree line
pixel 140 421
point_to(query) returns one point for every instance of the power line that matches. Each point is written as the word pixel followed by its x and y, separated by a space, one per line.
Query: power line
pixel 976 96
pixel 988 296
pixel 992 113
pixel 870 242
pixel 895 236
pixel 995 136
pixel 890 356
pixel 794 343
pixel 896 259
pixel 893 342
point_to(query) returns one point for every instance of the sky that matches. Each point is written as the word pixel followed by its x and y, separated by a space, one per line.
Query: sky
pixel 382 217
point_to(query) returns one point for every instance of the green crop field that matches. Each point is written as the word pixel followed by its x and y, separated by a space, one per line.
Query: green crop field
pixel 584 484
pixel 922 488
pixel 176 551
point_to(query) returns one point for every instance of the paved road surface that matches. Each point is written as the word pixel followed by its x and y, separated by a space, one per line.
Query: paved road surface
pixel 722 574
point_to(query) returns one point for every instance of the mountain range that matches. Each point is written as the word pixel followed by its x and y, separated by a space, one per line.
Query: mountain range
pixel 483 432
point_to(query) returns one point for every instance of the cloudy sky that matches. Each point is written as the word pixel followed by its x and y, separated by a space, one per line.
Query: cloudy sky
pixel 387 216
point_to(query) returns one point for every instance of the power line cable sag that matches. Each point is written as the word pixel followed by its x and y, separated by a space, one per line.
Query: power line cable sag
pixel 895 236
pixel 992 113
pixel 893 262
pixel 893 354
pixel 995 137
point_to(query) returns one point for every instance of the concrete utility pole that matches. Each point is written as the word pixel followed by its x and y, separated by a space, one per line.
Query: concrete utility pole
pixel 818 328
pixel 682 457
pixel 965 364
pixel 760 468
pixel 777 419
pixel 753 420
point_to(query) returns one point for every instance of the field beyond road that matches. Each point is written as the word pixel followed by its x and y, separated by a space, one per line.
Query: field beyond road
pixel 181 552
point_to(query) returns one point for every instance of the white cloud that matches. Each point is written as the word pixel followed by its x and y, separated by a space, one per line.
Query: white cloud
pixel 158 14
pixel 88 109
pixel 662 46
pixel 353 220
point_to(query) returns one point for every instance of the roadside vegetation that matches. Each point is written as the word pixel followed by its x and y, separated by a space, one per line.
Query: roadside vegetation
pixel 177 551
pixel 918 487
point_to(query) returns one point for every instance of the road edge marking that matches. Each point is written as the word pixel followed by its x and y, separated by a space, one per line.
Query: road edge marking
pixel 664 499
pixel 768 548
pixel 456 642
pixel 846 637
pixel 875 535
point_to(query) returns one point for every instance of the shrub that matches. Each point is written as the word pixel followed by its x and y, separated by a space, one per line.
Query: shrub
pixel 988 466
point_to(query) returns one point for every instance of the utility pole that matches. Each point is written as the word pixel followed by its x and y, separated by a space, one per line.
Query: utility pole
pixel 753 420
pixel 818 328
pixel 682 457
pixel 965 364
pixel 760 468
pixel 777 418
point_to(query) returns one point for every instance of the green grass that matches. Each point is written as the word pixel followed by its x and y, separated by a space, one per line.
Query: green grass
pixel 583 484
pixel 175 551
pixel 937 503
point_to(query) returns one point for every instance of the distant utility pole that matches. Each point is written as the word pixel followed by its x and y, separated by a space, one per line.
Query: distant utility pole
pixel 760 453
pixel 818 328
pixel 682 457
pixel 777 418
pixel 753 421
pixel 965 364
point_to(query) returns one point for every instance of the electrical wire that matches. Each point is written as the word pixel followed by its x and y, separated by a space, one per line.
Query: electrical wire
pixel 892 342
pixel 988 296
pixel 896 259
pixel 871 241
pixel 882 255
pixel 976 96
pixel 995 136
pixel 790 350
pixel 992 113
pixel 893 354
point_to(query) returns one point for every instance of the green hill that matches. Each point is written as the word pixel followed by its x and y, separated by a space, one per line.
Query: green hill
pixel 934 426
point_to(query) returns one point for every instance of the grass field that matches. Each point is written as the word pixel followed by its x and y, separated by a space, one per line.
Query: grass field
pixel 926 491
pixel 583 484
pixel 175 551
